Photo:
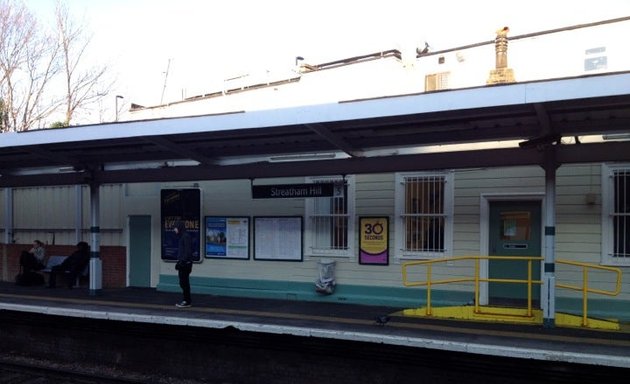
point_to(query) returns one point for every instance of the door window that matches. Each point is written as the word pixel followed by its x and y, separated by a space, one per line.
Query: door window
pixel 515 226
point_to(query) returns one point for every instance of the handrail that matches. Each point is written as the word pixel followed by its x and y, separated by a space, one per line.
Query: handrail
pixel 476 279
pixel 585 289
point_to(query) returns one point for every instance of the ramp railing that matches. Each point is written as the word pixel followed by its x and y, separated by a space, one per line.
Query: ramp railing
pixel 429 281
pixel 585 288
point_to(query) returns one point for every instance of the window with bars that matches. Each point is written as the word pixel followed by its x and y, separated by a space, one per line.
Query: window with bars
pixel 616 219
pixel 329 224
pixel 423 206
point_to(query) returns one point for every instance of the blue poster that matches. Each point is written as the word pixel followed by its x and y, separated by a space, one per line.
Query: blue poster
pixel 227 237
pixel 216 231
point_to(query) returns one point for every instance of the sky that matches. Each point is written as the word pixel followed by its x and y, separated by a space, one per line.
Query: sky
pixel 202 42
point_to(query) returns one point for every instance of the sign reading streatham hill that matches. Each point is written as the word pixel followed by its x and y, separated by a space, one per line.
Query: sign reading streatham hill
pixel 291 191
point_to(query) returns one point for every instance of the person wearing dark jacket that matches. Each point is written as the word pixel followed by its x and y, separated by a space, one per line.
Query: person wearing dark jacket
pixel 72 266
pixel 184 262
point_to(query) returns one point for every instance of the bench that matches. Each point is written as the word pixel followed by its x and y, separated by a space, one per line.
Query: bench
pixel 56 260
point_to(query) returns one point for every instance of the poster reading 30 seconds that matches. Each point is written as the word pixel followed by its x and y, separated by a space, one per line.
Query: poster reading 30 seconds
pixel 374 240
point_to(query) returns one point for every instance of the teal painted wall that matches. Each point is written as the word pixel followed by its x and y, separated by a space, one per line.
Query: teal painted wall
pixel 370 295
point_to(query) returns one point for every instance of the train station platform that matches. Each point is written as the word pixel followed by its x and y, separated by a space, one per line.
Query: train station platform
pixel 359 323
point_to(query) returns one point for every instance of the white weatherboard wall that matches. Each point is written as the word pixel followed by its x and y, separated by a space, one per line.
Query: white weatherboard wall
pixel 40 212
pixel 578 227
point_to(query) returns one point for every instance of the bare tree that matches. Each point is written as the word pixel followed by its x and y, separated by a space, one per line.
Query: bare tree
pixel 28 62
pixel 43 71
pixel 83 85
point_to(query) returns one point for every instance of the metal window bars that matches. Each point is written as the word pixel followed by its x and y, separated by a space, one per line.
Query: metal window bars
pixel 424 217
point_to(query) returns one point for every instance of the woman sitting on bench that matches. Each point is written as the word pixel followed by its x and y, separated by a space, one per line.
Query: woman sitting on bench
pixel 72 266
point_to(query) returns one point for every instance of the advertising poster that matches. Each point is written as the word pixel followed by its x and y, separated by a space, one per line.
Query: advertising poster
pixel 374 240
pixel 185 205
pixel 227 237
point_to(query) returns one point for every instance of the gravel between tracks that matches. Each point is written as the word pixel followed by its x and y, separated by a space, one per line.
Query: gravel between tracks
pixel 107 372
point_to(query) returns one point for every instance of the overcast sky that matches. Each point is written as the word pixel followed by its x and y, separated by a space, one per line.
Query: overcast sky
pixel 207 41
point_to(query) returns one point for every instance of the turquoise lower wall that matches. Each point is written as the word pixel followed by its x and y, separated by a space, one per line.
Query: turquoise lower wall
pixel 286 290
pixel 597 308
pixel 399 297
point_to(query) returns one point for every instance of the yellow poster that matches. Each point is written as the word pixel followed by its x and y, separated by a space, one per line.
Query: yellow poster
pixel 374 240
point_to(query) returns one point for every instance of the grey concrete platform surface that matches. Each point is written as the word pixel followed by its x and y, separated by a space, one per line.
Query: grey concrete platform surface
pixel 327 320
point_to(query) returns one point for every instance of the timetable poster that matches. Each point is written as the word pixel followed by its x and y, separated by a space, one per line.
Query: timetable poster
pixel 176 205
pixel 227 237
pixel 278 238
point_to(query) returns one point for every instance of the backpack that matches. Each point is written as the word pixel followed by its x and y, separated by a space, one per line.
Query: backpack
pixel 27 279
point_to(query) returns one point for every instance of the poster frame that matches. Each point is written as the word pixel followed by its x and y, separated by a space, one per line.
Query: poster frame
pixel 299 254
pixel 226 257
pixel 364 257
pixel 189 210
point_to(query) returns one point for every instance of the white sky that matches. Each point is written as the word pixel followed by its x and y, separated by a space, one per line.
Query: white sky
pixel 210 40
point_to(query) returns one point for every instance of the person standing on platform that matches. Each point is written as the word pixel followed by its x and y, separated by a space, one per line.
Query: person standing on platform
pixel 184 262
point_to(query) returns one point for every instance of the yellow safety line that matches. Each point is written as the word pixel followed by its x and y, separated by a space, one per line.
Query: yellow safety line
pixel 522 335
pixel 196 309
pixel 330 319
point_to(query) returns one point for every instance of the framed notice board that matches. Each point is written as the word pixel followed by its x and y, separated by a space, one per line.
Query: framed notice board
pixel 278 238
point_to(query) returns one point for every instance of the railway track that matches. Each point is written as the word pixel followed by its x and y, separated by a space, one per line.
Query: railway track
pixel 36 372
pixel 21 373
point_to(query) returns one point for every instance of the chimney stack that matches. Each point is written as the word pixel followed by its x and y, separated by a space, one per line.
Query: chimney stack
pixel 501 74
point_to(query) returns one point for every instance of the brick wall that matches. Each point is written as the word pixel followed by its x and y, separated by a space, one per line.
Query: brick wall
pixel 113 258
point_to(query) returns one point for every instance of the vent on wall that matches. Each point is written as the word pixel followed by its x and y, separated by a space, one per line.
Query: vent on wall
pixel 595 59
pixel 436 81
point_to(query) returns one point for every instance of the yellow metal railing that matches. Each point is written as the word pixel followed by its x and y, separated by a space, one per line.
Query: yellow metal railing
pixel 476 279
pixel 585 289
pixel 429 282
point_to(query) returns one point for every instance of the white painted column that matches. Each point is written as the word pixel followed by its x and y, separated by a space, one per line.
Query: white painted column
pixel 549 268
pixel 96 268
pixel 8 230
pixel 78 218
pixel 8 215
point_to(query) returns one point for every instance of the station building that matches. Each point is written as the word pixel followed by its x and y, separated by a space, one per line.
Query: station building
pixel 352 168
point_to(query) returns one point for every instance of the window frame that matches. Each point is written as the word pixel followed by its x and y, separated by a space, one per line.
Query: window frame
pixel 399 223
pixel 608 203
pixel 309 227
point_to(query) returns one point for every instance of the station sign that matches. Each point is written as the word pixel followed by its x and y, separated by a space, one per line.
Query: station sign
pixel 292 191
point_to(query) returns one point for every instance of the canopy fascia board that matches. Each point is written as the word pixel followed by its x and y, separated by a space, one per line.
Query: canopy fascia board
pixel 437 102
pixel 505 157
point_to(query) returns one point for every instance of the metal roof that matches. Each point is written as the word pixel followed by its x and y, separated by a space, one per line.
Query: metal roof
pixel 197 148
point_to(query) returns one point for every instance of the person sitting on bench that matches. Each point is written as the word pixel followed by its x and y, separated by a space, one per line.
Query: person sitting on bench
pixel 35 259
pixel 72 266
